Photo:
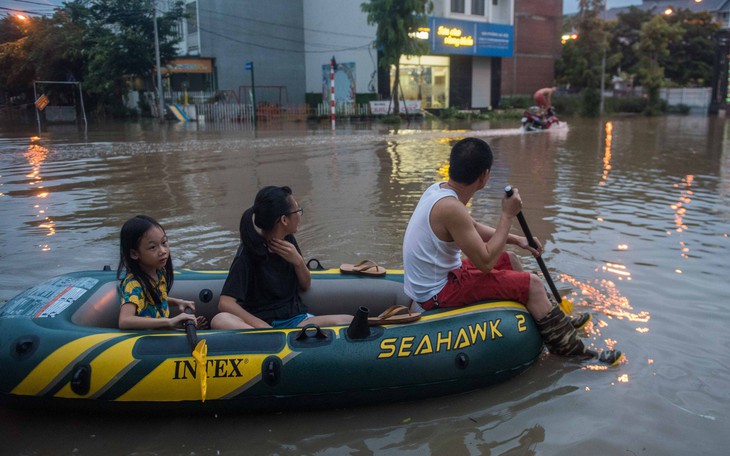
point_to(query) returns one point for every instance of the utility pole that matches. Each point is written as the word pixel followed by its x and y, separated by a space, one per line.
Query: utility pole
pixel 160 99
pixel 249 67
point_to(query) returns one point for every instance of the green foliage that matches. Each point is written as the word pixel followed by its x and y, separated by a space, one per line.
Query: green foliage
pixel 625 104
pixel 395 19
pixel 691 58
pixel 580 64
pixel 623 52
pixel 97 42
pixel 516 102
pixel 678 109
pixel 654 48
pixel 649 49
pixel 568 104
pixel 591 102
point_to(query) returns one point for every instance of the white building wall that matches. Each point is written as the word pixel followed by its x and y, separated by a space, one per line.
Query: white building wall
pixel 339 28
pixel 501 13
pixel 481 83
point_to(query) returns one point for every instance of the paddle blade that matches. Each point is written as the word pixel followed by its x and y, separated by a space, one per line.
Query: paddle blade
pixel 566 306
pixel 200 355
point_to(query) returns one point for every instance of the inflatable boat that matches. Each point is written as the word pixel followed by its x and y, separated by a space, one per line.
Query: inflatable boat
pixel 60 347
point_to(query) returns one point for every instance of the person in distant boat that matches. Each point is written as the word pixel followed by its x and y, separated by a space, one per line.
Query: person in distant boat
pixel 441 228
pixel 146 263
pixel 263 283
pixel 543 98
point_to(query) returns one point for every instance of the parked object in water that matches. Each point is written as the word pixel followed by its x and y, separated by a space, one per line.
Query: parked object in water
pixel 532 119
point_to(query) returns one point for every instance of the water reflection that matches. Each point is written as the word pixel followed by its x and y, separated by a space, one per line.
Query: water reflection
pixel 621 207
pixel 607 153
pixel 36 155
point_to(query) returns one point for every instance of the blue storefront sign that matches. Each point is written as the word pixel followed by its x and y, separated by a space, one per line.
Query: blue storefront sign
pixel 451 36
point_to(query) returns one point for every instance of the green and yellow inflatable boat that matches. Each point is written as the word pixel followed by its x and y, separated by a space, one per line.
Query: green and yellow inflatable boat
pixel 60 348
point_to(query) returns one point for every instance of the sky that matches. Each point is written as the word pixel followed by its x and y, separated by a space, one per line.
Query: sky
pixel 571 6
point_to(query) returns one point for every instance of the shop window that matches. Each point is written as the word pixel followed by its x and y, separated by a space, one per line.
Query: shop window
pixel 458 6
pixel 425 78
pixel 192 17
pixel 477 7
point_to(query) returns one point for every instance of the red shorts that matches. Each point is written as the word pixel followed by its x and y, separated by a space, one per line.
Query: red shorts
pixel 541 101
pixel 468 285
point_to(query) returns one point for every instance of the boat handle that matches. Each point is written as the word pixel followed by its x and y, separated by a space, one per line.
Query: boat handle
pixel 318 335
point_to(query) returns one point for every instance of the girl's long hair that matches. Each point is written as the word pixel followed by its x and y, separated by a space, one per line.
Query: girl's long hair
pixel 270 204
pixel 129 239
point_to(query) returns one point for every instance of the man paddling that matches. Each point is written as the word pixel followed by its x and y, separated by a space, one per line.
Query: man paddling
pixel 441 228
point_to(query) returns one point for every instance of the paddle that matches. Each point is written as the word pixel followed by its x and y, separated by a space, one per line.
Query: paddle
pixel 565 305
pixel 199 353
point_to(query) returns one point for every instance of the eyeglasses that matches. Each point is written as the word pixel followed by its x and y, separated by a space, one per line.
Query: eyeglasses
pixel 300 210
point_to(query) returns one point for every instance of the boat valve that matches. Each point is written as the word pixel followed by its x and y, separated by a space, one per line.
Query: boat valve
pixel 359 327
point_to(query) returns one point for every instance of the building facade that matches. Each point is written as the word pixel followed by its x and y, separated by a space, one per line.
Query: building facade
pixel 537 47
pixel 476 51
pixel 235 43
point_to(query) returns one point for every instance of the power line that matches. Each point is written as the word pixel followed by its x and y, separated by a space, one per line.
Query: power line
pixel 34 3
pixel 220 31
pixel 282 25
pixel 280 49
pixel 15 10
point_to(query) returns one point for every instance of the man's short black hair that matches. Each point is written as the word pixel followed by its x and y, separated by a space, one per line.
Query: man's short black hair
pixel 470 157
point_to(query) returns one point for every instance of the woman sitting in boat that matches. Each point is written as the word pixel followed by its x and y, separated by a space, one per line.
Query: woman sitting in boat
pixel 146 261
pixel 263 283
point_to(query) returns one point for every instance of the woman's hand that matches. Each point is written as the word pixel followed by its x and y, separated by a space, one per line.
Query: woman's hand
pixel 286 250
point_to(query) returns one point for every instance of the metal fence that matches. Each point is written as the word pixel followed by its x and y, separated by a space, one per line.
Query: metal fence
pixel 268 112
pixel 698 99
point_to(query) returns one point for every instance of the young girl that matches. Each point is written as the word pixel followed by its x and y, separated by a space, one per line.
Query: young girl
pixel 146 261
pixel 262 287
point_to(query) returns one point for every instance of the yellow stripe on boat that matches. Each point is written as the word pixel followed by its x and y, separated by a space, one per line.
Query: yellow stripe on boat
pixel 177 379
pixel 108 368
pixel 56 365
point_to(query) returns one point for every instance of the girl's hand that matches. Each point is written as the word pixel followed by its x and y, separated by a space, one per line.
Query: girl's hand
pixel 286 250
pixel 202 322
pixel 183 304
pixel 179 320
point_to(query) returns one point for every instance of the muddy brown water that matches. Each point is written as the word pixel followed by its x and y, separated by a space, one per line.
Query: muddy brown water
pixel 635 214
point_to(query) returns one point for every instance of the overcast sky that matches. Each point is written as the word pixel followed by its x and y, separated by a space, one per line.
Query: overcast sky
pixel 571 6
pixel 45 6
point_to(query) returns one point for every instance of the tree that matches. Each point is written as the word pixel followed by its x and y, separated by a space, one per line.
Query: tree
pixel 119 41
pixel 624 41
pixel 654 48
pixel 581 61
pixel 693 55
pixel 396 20
pixel 100 43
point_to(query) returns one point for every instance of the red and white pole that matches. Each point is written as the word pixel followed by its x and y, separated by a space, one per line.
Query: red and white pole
pixel 333 64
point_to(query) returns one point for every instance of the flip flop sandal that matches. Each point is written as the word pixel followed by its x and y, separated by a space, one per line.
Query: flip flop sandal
pixel 394 315
pixel 365 267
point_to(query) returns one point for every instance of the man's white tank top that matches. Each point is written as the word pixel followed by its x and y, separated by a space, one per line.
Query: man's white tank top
pixel 427 260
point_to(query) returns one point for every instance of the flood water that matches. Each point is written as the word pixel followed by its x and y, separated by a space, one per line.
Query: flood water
pixel 634 212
